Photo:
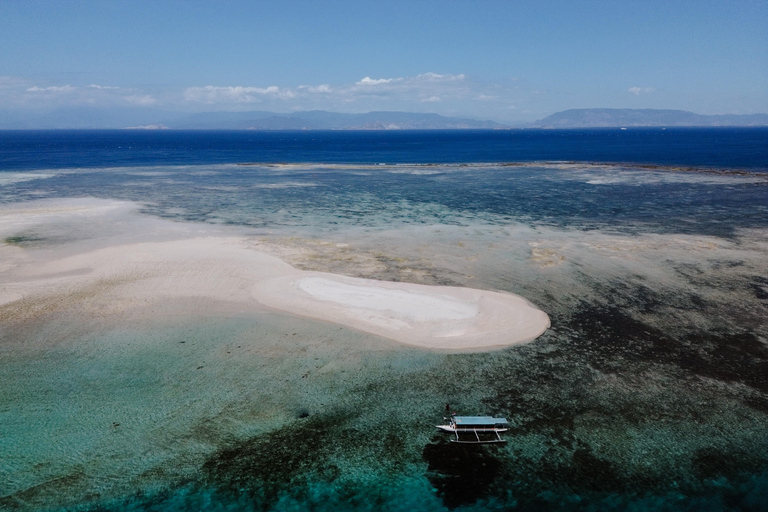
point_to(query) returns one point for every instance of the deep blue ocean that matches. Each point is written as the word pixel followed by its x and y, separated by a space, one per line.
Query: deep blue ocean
pixel 647 247
pixel 740 148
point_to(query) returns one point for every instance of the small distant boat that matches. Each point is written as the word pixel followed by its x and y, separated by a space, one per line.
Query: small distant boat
pixel 475 429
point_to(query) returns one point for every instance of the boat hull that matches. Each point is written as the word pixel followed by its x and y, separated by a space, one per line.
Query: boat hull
pixel 473 435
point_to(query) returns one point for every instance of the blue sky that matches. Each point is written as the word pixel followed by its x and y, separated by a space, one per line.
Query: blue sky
pixel 502 60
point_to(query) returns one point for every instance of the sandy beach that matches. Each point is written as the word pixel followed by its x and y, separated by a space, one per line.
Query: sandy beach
pixel 228 269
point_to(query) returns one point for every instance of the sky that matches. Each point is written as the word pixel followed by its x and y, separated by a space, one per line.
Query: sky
pixel 508 61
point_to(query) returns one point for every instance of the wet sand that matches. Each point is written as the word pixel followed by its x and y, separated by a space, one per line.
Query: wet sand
pixel 229 269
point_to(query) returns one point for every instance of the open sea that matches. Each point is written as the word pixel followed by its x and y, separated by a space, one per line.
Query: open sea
pixel 648 248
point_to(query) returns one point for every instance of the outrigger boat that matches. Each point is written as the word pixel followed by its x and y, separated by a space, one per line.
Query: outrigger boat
pixel 475 429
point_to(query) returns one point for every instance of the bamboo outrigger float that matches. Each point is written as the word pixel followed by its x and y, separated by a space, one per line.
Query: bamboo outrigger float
pixel 475 429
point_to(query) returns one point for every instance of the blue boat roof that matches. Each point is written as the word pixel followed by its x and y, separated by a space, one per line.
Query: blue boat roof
pixel 479 420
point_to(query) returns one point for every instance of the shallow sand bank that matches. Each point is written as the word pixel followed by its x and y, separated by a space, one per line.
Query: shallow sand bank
pixel 120 276
pixel 438 317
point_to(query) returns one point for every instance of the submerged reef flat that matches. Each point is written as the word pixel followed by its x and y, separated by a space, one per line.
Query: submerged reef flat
pixel 181 351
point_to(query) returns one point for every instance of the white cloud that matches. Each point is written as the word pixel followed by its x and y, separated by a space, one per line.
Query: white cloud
pixel 370 81
pixel 448 94
pixel 429 87
pixel 434 77
pixel 16 93
pixel 55 89
pixel 321 89
pixel 235 94
pixel 637 91
pixel 404 82
pixel 426 87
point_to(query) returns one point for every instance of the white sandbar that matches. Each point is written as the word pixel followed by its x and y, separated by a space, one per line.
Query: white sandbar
pixel 438 317
pixel 419 307
pixel 120 277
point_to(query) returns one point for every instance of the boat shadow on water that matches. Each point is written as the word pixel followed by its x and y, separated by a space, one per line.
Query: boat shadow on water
pixel 462 474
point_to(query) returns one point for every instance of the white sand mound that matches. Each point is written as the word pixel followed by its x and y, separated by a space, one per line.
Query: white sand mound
pixel 427 316
pixel 419 307
pixel 227 269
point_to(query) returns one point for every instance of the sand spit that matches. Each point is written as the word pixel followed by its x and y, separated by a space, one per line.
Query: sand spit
pixel 122 277
pixel 436 317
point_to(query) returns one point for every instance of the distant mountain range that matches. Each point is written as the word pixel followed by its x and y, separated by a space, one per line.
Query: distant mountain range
pixel 148 118
pixel 614 117
pixel 576 118
pixel 322 120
